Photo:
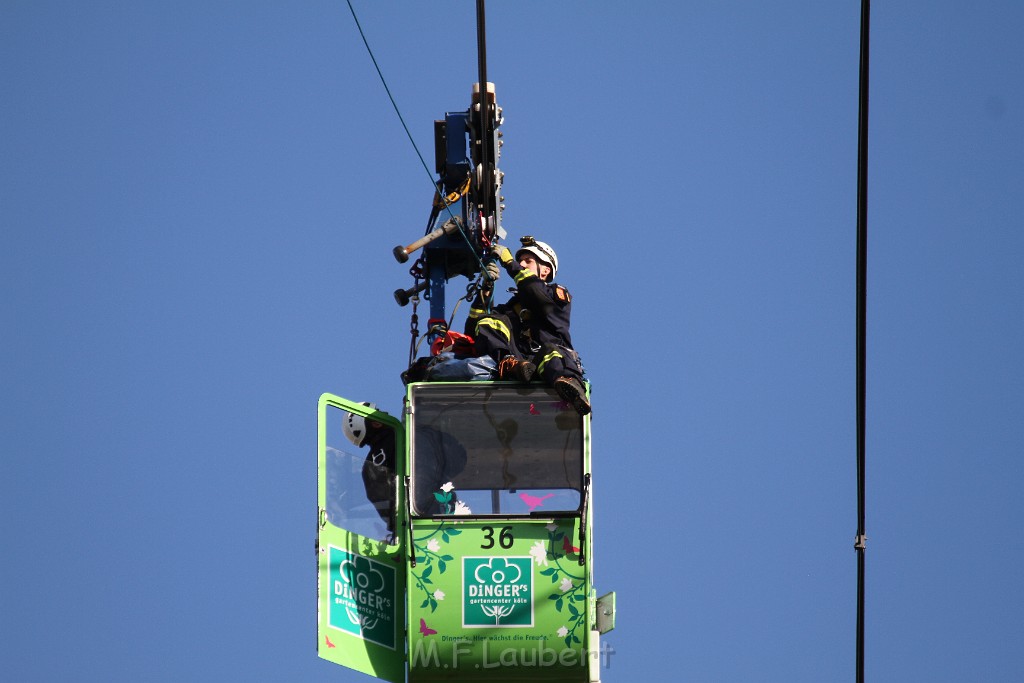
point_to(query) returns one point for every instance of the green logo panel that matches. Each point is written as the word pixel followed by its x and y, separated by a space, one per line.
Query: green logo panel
pixel 363 599
pixel 497 592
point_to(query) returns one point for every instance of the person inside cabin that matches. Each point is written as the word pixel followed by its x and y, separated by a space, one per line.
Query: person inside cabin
pixel 379 466
pixel 529 334
pixel 439 458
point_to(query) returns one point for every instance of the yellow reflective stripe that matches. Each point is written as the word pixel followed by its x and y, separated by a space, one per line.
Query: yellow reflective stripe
pixel 477 312
pixel 522 275
pixel 545 359
pixel 498 326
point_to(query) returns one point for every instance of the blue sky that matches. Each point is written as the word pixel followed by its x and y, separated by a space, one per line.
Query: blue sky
pixel 198 203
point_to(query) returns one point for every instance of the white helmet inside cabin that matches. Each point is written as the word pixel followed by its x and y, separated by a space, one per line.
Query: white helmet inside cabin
pixel 355 425
pixel 541 251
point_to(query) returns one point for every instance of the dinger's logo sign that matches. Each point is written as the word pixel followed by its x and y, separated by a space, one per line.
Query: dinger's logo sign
pixel 497 591
pixel 362 597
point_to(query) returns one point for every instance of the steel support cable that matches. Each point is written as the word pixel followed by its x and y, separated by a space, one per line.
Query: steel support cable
pixel 481 49
pixel 862 273
pixel 437 190
pixel 481 52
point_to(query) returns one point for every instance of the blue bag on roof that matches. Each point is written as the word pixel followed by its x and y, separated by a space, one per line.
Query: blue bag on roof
pixel 445 367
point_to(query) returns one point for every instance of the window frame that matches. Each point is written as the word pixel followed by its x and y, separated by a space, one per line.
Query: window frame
pixel 418 393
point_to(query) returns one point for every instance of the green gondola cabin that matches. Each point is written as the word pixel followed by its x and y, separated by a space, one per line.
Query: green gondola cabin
pixel 479 564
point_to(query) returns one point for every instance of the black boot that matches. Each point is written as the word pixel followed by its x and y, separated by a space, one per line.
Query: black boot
pixel 512 369
pixel 571 391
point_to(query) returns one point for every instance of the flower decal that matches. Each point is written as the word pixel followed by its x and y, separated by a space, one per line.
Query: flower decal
pixel 461 508
pixel 362 575
pixel 568 587
pixel 539 553
pixel 497 571
pixel 428 555
pixel 446 499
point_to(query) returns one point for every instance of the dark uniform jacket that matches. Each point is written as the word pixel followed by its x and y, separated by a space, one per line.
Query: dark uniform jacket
pixel 539 312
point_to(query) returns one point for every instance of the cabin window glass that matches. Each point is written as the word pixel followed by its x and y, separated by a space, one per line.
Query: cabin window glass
pixel 360 479
pixel 494 450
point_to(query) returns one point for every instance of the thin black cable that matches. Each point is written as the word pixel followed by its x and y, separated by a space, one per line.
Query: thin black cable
pixel 437 189
pixel 862 275
pixel 388 91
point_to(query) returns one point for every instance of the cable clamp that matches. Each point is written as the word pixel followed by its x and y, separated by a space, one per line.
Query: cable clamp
pixel 860 542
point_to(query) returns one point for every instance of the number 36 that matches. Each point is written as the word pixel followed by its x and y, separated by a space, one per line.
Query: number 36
pixel 505 539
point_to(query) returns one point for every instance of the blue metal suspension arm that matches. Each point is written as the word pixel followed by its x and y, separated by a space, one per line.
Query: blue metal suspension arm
pixel 468 207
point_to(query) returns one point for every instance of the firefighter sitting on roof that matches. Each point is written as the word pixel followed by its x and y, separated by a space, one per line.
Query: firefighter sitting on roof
pixel 529 334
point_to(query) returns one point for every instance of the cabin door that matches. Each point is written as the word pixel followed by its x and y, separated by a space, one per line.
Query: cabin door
pixel 359 545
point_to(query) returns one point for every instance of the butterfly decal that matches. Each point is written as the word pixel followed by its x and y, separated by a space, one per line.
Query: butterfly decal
pixel 424 629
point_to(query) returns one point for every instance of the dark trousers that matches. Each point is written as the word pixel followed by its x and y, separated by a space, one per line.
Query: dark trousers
pixel 493 337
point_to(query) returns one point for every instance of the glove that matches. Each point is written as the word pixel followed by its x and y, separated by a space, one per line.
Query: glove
pixel 502 253
pixel 491 271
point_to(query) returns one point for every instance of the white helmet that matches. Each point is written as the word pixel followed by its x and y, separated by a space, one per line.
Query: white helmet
pixel 541 251
pixel 355 425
